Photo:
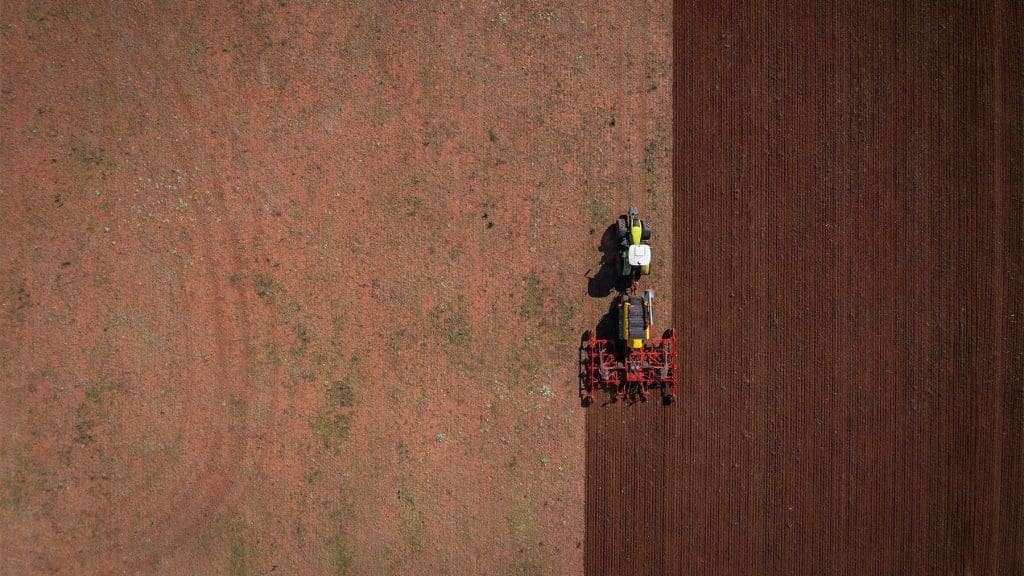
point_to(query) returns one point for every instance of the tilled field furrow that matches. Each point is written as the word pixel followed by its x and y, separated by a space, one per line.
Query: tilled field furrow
pixel 848 269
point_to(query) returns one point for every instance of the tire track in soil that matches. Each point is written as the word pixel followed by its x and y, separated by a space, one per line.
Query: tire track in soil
pixel 197 494
pixel 210 487
pixel 222 487
pixel 848 273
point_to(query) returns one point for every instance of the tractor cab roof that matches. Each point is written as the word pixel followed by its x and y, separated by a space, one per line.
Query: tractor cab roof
pixel 639 255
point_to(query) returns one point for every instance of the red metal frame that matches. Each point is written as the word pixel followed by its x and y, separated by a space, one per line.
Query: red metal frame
pixel 631 373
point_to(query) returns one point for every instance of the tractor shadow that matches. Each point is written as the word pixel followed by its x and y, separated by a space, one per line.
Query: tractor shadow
pixel 607 329
pixel 608 278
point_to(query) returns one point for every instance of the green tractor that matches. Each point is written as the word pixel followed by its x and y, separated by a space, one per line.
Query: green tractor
pixel 634 245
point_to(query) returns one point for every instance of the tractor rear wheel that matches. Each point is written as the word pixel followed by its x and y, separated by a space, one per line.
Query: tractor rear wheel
pixel 621 229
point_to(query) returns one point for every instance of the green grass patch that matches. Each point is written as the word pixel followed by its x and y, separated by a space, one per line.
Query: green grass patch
pixel 21 482
pixel 455 328
pixel 13 489
pixel 566 312
pixel 92 393
pixel 385 562
pixel 340 393
pixel 237 406
pixel 341 555
pixel 522 524
pixel 523 366
pixel 266 288
pixel 533 299
pixel 86 415
pixel 239 555
pixel 522 527
pixel 100 352
pixel 332 429
pixel 412 522
pixel 526 565
pixel 395 341
pixel 89 162
pixel 651 169
pixel 300 345
pixel 600 215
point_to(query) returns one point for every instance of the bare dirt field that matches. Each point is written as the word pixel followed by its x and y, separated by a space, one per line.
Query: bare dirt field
pixel 295 287
pixel 849 284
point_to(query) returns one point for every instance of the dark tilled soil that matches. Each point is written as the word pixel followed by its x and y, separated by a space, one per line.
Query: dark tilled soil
pixel 848 290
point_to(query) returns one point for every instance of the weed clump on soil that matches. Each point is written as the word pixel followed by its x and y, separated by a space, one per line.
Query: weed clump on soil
pixel 395 341
pixel 340 393
pixel 22 482
pixel 19 300
pixel 332 429
pixel 303 337
pixel 85 415
pixel 599 212
pixel 651 168
pixel 10 496
pixel 522 524
pixel 240 559
pixel 524 565
pixel 339 550
pixel 12 488
pixel 341 555
pixel 522 527
pixel 237 407
pixel 455 330
pixel 385 561
pixel 92 393
pixel 533 301
pixel 88 160
pixel 412 522
pixel 266 288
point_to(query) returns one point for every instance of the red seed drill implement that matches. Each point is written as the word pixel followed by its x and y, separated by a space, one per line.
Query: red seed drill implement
pixel 630 363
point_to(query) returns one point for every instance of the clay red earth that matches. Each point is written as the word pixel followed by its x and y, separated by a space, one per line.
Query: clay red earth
pixel 297 287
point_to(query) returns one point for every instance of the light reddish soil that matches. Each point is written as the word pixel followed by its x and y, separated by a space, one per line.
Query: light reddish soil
pixel 297 287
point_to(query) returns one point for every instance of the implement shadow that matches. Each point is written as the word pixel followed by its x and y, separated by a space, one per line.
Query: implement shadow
pixel 607 329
